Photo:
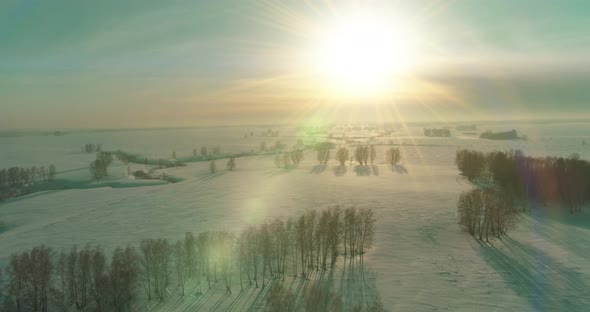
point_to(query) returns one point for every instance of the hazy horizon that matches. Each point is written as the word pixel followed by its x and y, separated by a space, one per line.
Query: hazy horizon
pixel 146 64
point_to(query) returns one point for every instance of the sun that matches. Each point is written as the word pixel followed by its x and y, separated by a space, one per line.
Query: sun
pixel 362 54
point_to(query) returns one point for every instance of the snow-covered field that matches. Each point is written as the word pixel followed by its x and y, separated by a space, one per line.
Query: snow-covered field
pixel 421 260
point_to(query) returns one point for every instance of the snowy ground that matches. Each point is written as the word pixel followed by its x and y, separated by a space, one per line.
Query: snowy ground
pixel 421 260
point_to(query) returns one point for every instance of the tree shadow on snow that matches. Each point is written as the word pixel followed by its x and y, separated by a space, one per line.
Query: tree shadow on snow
pixel 317 169
pixel 362 170
pixel 547 284
pixel 399 169
pixel 350 286
pixel 209 176
pixel 375 170
pixel 340 170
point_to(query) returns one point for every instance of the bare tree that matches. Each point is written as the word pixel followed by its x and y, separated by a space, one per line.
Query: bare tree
pixel 231 164
pixel 296 156
pixel 52 172
pixel 486 213
pixel 342 155
pixel 123 279
pixel 392 155
pixel 30 279
pixel 99 283
pixel 180 261
pixel 373 153
pixel 287 160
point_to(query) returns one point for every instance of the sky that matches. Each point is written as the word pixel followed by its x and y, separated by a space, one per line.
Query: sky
pixel 153 63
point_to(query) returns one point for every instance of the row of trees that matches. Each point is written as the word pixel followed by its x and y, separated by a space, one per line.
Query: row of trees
pixel 437 132
pixel 38 279
pixel 486 213
pixel 84 279
pixel 542 179
pixel 202 152
pixel 16 177
pixel 311 241
pixel 91 148
pixel 230 165
pixel 362 154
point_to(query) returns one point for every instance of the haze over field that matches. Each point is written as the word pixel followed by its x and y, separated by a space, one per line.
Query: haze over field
pixel 301 156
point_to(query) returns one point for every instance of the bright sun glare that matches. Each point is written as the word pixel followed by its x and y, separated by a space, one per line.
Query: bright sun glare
pixel 361 55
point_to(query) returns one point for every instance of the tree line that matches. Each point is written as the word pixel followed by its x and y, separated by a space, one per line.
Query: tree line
pixel 19 177
pixel 15 179
pixel 84 278
pixel 545 180
pixel 363 154
pixel 91 148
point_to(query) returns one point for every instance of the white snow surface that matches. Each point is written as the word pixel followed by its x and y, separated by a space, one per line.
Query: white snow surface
pixel 421 259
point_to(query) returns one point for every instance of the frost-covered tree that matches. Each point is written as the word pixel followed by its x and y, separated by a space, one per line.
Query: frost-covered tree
pixel 373 153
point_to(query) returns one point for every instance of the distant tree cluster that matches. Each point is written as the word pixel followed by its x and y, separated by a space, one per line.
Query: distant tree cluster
pixel 507 135
pixel 127 158
pixel 83 279
pixel 99 167
pixel 13 180
pixel 392 155
pixel 91 148
pixel 270 133
pixel 541 179
pixel 486 213
pixel 433 132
